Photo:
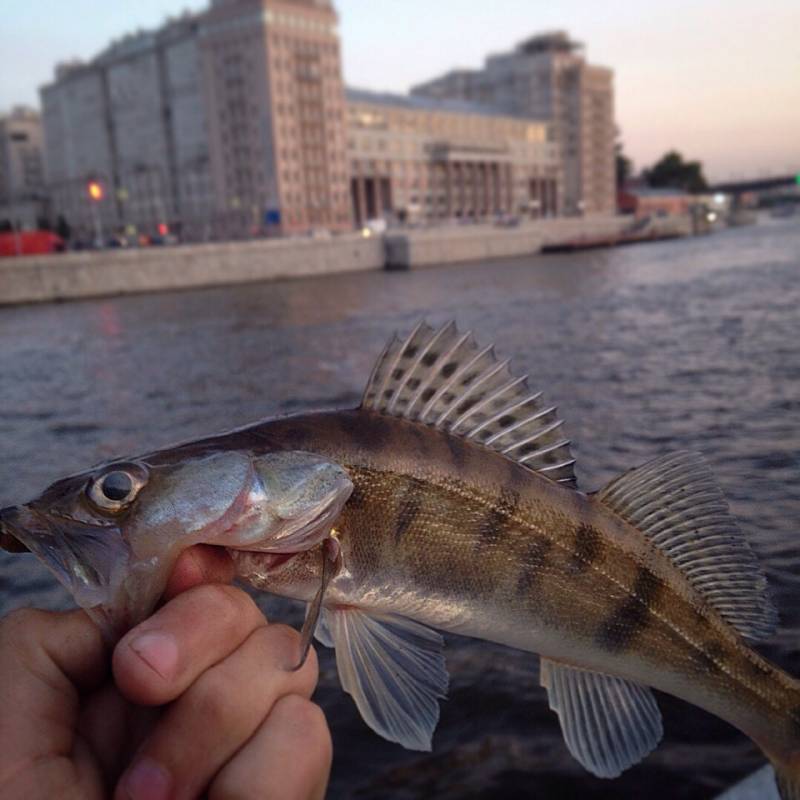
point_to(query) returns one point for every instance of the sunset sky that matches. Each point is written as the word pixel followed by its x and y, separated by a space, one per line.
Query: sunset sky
pixel 718 80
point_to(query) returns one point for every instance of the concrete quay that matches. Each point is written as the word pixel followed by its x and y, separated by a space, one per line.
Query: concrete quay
pixel 112 272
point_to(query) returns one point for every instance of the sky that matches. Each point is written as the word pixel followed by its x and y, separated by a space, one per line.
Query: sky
pixel 718 80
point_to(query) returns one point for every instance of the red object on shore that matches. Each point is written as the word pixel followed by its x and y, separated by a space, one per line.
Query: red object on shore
pixel 30 243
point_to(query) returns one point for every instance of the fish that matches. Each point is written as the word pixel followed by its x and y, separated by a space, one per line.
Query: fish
pixel 447 502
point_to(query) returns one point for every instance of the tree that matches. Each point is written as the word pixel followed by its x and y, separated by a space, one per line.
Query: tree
pixel 623 165
pixel 671 171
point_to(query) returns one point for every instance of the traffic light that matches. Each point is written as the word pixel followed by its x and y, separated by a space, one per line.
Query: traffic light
pixel 797 179
pixel 95 190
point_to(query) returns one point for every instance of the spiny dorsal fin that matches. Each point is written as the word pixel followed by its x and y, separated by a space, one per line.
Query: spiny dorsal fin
pixel 676 502
pixel 609 724
pixel 442 378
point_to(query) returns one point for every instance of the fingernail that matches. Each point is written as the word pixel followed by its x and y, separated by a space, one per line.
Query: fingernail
pixel 147 780
pixel 159 651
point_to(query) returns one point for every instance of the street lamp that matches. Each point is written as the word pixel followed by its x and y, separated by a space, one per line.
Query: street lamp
pixel 96 193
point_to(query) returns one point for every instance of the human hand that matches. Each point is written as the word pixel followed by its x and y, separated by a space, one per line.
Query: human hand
pixel 203 701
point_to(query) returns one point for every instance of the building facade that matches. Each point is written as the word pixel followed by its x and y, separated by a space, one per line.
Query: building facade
pixel 235 122
pixel 418 159
pixel 22 180
pixel 273 80
pixel 546 77
pixel 133 120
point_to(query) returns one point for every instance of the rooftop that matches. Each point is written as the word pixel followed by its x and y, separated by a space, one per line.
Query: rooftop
pixel 421 103
pixel 548 42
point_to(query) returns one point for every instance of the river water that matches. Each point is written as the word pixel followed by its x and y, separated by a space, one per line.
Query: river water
pixel 683 344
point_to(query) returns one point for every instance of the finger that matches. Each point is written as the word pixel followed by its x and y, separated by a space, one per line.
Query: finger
pixel 160 658
pixel 199 564
pixel 202 730
pixel 114 729
pixel 288 758
pixel 46 659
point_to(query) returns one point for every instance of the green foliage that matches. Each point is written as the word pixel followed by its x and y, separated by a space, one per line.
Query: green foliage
pixel 673 172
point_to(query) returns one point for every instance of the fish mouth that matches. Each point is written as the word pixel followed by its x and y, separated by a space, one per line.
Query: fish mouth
pixel 272 562
pixel 90 561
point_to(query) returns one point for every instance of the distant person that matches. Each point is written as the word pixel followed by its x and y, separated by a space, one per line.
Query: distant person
pixel 63 228
pixel 198 701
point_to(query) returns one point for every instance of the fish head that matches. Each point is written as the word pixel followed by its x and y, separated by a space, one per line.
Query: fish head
pixel 112 535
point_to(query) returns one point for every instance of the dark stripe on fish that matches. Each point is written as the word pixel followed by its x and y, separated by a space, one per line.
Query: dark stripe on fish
pixel 587 549
pixel 410 505
pixel 493 526
pixel 490 529
pixel 619 631
pixel 533 563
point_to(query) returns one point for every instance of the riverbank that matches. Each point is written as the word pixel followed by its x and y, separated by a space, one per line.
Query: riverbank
pixel 113 272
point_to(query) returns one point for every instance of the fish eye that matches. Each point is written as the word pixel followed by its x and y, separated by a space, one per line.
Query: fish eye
pixel 116 486
pixel 116 489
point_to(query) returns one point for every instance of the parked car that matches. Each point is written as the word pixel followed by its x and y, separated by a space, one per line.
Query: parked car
pixel 30 243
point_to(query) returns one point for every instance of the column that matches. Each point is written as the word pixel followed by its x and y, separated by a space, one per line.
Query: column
pixel 448 187
pixel 378 193
pixel 487 199
pixel 476 198
pixel 361 193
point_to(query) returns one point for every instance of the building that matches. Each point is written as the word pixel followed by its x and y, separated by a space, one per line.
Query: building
pixel 546 77
pixel 642 201
pixel 273 80
pixel 133 119
pixel 22 183
pixel 420 159
pixel 217 125
pixel 235 122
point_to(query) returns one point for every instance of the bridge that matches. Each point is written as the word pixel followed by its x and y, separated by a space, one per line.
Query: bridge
pixel 756 184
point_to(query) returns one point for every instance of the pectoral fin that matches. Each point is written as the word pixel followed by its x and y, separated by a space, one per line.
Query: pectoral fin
pixel 608 723
pixel 394 669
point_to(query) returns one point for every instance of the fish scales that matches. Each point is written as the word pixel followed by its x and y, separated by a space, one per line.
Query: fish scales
pixel 484 547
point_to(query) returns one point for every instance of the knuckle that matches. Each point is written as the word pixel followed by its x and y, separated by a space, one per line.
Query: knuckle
pixel 311 727
pixel 229 605
pixel 210 696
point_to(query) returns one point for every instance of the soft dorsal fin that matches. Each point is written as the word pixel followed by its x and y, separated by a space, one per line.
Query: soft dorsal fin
pixel 676 502
pixel 442 378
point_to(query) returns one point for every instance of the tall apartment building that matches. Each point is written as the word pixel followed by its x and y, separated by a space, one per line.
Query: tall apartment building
pixel 424 159
pixel 134 120
pixel 273 79
pixel 217 124
pixel 22 181
pixel 546 77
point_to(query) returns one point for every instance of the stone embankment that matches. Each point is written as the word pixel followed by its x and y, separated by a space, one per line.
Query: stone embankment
pixel 110 272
